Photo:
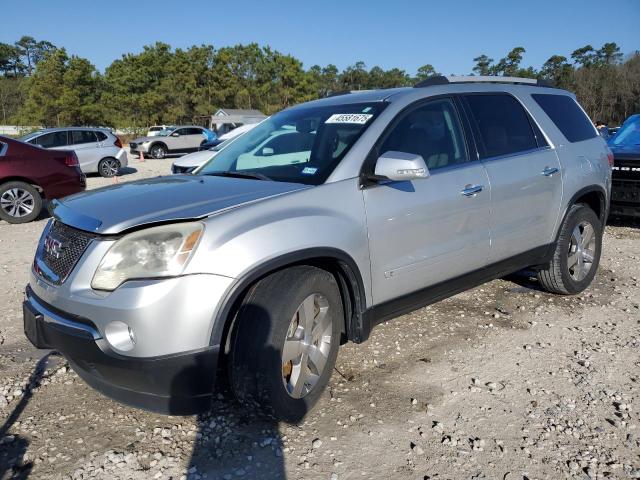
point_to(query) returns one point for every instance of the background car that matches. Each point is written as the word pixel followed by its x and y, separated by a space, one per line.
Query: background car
pixel 182 139
pixel 189 163
pixel 98 149
pixel 156 129
pixel 625 188
pixel 29 175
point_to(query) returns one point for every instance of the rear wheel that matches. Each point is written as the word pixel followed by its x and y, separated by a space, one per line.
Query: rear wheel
pixel 577 255
pixel 158 151
pixel 19 202
pixel 285 345
pixel 108 167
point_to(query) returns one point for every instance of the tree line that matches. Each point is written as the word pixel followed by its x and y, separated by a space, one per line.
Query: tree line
pixel 41 84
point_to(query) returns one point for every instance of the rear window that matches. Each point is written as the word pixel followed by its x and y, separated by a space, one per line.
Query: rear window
pixel 503 125
pixel 82 136
pixel 567 116
pixel 101 136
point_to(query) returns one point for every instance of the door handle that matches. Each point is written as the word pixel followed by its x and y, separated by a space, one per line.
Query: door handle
pixel 471 190
pixel 548 171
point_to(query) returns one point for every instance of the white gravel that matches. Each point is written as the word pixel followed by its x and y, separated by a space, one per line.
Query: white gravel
pixel 503 381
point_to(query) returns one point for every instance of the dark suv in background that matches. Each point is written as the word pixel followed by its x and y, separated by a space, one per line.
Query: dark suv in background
pixel 625 145
pixel 29 175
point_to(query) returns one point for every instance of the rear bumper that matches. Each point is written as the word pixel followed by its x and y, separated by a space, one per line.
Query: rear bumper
pixel 177 384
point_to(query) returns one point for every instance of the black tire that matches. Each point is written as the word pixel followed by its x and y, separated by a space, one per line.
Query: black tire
pixel 108 167
pixel 559 277
pixel 20 215
pixel 158 151
pixel 256 367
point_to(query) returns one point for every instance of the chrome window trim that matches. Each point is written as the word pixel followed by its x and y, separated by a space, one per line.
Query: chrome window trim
pixel 517 154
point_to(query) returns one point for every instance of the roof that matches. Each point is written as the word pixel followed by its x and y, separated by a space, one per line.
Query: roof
pixel 239 111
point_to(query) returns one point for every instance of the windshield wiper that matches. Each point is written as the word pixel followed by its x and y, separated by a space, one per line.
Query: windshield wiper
pixel 228 173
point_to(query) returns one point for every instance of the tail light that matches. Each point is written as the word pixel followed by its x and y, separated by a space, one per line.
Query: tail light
pixel 71 160
pixel 118 143
pixel 610 158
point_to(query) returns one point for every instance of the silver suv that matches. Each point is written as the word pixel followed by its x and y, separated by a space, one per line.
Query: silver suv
pixel 183 139
pixel 362 207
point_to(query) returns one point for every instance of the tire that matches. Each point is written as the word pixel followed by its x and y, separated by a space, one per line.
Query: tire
pixel 272 312
pixel 575 260
pixel 158 151
pixel 20 202
pixel 108 167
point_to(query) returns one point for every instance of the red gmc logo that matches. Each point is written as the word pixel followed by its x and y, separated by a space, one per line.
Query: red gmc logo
pixel 52 246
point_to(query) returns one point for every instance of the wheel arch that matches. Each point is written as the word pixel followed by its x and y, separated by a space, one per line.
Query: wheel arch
pixel 333 260
pixel 17 178
pixel 156 142
pixel 595 196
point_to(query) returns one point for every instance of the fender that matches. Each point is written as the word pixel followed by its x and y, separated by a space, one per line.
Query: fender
pixel 604 204
pixel 348 276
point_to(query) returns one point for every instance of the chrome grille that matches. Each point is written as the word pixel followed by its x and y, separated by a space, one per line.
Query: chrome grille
pixel 68 246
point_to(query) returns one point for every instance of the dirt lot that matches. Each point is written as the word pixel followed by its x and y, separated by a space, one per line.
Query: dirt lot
pixel 503 381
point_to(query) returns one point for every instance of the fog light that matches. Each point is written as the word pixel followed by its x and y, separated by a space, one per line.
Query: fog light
pixel 120 336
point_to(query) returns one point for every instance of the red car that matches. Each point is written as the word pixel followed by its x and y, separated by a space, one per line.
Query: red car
pixel 29 175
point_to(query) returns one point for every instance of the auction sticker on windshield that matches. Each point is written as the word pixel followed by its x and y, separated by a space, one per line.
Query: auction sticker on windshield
pixel 352 118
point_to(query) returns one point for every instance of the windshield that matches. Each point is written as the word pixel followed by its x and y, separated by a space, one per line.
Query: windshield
pixel 302 145
pixel 629 133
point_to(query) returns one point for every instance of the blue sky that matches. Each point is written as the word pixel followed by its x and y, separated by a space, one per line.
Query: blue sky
pixel 390 33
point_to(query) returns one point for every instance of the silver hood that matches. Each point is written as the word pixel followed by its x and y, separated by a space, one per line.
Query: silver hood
pixel 113 209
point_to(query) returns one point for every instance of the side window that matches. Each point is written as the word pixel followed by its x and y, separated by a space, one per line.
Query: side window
pixel 82 136
pixel 567 116
pixel 195 131
pixel 51 140
pixel 182 131
pixel 431 130
pixel 503 125
pixel 101 136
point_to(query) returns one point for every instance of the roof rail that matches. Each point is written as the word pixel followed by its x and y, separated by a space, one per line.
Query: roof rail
pixel 442 80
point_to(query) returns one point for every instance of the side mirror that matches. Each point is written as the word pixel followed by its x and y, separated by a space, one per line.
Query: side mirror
pixel 401 166
pixel 267 151
pixel 175 134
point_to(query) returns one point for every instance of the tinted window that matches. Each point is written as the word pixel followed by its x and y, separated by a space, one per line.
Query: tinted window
pixel 194 131
pixel 433 131
pixel 567 115
pixel 82 136
pixel 101 136
pixel 182 131
pixel 502 123
pixel 53 139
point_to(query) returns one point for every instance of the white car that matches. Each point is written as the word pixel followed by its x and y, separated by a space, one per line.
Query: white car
pixel 189 163
pixel 98 149
pixel 156 129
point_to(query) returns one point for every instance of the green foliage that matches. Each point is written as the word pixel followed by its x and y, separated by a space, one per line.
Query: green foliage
pixel 42 85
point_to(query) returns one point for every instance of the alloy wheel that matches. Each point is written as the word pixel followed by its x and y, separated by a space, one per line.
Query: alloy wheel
pixel 307 346
pixel 581 252
pixel 158 153
pixel 109 167
pixel 17 202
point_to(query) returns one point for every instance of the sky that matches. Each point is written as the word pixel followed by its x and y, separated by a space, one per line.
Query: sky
pixel 390 33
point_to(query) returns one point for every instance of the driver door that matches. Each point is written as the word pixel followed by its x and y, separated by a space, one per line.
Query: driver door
pixel 424 232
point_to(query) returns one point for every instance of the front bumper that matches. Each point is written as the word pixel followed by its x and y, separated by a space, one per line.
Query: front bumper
pixel 176 384
pixel 139 147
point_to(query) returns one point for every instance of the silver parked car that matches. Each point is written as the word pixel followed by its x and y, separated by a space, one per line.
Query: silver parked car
pixel 98 149
pixel 183 139
pixel 258 271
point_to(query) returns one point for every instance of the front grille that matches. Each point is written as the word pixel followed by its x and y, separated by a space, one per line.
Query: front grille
pixel 625 191
pixel 61 249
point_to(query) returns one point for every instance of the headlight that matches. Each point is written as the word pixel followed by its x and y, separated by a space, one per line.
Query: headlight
pixel 155 252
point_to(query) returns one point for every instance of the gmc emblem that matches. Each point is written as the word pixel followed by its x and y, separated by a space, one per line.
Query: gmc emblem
pixel 52 246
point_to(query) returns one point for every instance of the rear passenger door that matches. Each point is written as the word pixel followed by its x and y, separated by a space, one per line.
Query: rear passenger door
pixel 87 148
pixel 524 173
pixel 194 138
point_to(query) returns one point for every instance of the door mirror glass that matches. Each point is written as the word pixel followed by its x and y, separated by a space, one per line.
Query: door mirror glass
pixel 401 166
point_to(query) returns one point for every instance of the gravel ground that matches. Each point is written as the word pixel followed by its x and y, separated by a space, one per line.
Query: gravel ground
pixel 503 381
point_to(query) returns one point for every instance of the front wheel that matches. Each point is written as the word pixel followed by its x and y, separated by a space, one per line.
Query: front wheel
pixel 158 151
pixel 577 255
pixel 19 202
pixel 286 341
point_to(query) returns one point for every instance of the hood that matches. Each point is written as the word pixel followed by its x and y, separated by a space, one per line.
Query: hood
pixel 120 207
pixel 145 139
pixel 195 159
pixel 625 150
